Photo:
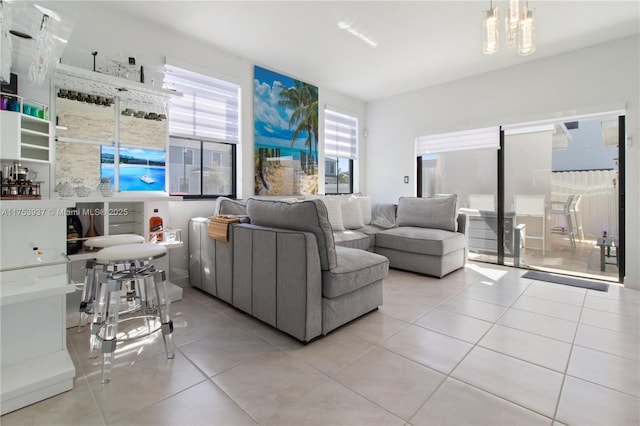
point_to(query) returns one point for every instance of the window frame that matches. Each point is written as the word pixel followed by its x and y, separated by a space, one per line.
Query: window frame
pixel 338 176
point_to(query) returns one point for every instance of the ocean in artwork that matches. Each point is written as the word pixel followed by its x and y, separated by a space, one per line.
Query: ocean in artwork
pixel 130 176
pixel 139 169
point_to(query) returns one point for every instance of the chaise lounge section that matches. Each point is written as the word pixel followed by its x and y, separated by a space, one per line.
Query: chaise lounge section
pixel 430 237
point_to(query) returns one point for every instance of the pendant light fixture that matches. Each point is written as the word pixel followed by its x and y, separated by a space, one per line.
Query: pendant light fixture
pixel 491 35
pixel 519 29
pixel 511 22
pixel 526 40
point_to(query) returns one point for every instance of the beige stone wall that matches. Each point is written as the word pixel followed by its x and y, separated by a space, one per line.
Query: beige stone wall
pixel 85 121
pixel 143 133
pixel 78 164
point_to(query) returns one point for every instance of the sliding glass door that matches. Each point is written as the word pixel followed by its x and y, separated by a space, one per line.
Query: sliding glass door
pixel 547 196
pixel 562 190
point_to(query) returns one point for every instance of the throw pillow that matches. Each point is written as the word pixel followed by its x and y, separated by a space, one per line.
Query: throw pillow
pixel 365 207
pixel 334 211
pixel 351 213
pixel 437 213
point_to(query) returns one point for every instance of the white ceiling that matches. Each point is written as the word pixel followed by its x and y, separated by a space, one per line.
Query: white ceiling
pixel 420 43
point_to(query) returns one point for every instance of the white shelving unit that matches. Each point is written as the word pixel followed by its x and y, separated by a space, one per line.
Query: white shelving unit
pixel 24 137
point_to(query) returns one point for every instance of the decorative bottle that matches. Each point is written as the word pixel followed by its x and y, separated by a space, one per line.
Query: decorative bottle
pixel 155 227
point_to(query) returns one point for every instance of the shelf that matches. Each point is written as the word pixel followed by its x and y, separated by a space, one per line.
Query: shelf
pixel 119 197
pixel 174 244
pixel 82 255
pixel 34 154
pixel 34 133
pixel 28 145
pixel 83 80
pixel 34 119
pixel 47 260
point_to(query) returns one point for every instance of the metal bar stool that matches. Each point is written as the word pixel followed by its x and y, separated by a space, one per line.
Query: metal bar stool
pixel 145 295
pixel 92 268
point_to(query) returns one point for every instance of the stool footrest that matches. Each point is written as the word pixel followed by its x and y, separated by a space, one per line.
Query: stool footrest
pixel 108 346
pixel 167 328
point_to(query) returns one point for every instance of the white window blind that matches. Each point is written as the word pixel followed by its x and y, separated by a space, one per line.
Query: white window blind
pixel 340 135
pixel 459 141
pixel 208 109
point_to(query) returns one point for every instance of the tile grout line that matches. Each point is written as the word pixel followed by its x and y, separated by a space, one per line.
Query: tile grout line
pixel 86 379
pixel 564 375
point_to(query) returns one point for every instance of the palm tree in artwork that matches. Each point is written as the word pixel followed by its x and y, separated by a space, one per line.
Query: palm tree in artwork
pixel 303 99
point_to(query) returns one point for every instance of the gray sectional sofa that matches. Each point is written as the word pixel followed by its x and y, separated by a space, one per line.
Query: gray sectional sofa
pixel 291 268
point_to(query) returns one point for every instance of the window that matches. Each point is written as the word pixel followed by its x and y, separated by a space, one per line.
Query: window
pixel 340 151
pixel 204 128
pixel 201 168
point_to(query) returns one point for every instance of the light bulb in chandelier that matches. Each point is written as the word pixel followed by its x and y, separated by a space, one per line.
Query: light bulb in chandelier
pixel 491 43
pixel 511 23
pixel 526 33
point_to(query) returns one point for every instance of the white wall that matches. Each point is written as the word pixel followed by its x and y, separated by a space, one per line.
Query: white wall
pixel 595 79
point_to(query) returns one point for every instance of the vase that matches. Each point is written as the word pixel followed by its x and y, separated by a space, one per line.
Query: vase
pixel 91 230
pixel 106 189
pixel 66 190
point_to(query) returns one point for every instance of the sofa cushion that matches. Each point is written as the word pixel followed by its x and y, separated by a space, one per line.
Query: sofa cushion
pixel 307 215
pixel 355 269
pixel 353 239
pixel 435 242
pixel 437 212
pixel 351 213
pixel 383 216
pixel 228 206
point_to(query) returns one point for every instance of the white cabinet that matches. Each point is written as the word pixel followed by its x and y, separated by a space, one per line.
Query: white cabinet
pixel 35 363
pixel 24 137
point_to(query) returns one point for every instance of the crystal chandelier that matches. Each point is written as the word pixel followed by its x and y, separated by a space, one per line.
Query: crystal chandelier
pixel 519 29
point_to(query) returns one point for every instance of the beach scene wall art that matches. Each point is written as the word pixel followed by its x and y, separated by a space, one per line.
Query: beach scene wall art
pixel 285 135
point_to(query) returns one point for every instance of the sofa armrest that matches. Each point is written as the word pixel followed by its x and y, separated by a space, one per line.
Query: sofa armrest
pixel 277 278
pixel 462 223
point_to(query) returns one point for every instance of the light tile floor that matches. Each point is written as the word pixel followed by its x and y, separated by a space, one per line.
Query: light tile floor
pixel 481 346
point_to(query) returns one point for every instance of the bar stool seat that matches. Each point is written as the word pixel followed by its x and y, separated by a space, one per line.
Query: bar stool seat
pixel 131 252
pixel 142 286
pixel 113 240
